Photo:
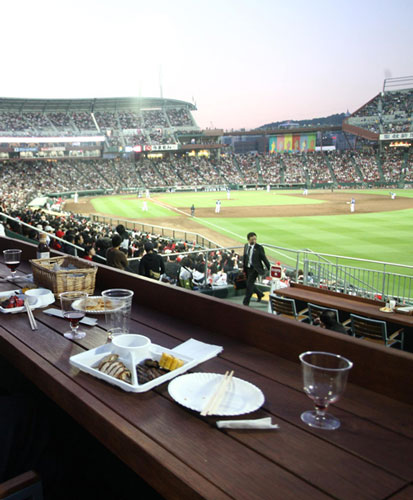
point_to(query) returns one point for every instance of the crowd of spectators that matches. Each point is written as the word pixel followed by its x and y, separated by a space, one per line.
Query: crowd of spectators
pixel 21 181
pixel 154 119
pixel 390 127
pixel 106 120
pixel 369 109
pixel 392 163
pixel 83 121
pixel 168 174
pixel 179 117
pixel 130 120
pixel 396 102
pixel 317 169
pixel 60 120
pixel 407 171
pixel 161 137
pixel 247 163
pixel 392 112
pixel 368 166
pixel 270 168
pixel 66 123
pixel 294 169
pixel 230 170
pixel 149 173
pixel 344 167
pixel 135 139
pixel 183 262
pixel 12 122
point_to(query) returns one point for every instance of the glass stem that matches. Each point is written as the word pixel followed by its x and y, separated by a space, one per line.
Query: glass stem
pixel 320 412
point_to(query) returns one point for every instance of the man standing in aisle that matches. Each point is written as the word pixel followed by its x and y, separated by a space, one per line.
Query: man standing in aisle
pixel 253 259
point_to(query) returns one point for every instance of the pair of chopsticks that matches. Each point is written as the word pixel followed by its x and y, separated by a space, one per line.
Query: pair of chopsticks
pixel 29 311
pixel 215 400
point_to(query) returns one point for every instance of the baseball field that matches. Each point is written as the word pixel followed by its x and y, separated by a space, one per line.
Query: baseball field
pixel 379 229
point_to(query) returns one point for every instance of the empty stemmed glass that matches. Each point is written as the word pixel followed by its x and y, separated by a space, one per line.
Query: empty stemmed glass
pixel 73 308
pixel 12 260
pixel 324 378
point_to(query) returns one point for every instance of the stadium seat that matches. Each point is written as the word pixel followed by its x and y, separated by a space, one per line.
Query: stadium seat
pixel 375 331
pixel 314 311
pixel 286 307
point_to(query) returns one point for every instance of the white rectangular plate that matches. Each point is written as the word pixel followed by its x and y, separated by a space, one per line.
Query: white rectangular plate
pixel 85 361
pixel 13 310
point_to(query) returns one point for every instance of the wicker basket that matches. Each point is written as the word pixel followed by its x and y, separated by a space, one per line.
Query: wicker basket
pixel 81 279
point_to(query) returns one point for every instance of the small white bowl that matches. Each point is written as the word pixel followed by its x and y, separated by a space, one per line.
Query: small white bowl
pixel 40 297
pixel 137 345
pixel 30 299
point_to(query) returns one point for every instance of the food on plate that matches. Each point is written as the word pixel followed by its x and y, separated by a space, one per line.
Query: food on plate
pixel 386 309
pixel 94 304
pixel 111 365
pixel 169 362
pixel 149 369
pixel 12 302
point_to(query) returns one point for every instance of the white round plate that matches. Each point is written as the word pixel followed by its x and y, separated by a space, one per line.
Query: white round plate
pixel 78 305
pixel 194 390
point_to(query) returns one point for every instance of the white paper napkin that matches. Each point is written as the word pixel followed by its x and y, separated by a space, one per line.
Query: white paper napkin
pixel 259 423
pixel 58 313
pixel 198 350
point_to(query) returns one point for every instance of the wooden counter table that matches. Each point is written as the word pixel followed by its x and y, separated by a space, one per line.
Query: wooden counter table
pixel 184 456
pixel 344 302
pixel 350 304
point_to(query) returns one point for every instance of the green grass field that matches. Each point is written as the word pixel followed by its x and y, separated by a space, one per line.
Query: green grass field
pixel 238 199
pixel 383 236
pixel 124 206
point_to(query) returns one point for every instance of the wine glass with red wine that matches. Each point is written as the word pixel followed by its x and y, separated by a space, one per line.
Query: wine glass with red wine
pixel 73 306
pixel 12 260
pixel 324 379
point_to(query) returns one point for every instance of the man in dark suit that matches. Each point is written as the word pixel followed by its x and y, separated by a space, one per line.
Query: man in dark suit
pixel 253 259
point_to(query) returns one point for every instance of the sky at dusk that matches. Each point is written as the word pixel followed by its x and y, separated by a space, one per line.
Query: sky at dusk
pixel 244 62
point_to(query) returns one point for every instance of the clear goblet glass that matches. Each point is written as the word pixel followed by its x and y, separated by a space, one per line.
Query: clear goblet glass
pixel 73 306
pixel 324 378
pixel 12 260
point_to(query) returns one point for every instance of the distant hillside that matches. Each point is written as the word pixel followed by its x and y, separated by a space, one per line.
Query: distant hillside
pixel 336 119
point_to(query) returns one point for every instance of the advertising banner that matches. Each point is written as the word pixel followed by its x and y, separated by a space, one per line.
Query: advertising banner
pixel 396 136
pixel 280 144
pixel 288 143
pixel 272 145
pixel 303 142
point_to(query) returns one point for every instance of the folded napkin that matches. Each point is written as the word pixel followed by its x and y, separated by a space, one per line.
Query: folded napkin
pixel 198 350
pixel 58 313
pixel 259 423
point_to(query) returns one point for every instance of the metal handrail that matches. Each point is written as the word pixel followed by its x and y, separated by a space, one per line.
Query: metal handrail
pixel 96 218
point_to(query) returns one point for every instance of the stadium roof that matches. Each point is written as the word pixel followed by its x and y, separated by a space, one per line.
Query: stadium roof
pixel 19 105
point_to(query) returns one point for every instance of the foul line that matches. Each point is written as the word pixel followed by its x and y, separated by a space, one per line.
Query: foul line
pixel 170 207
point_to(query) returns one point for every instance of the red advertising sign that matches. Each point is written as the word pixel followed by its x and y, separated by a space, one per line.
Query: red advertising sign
pixel 275 271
